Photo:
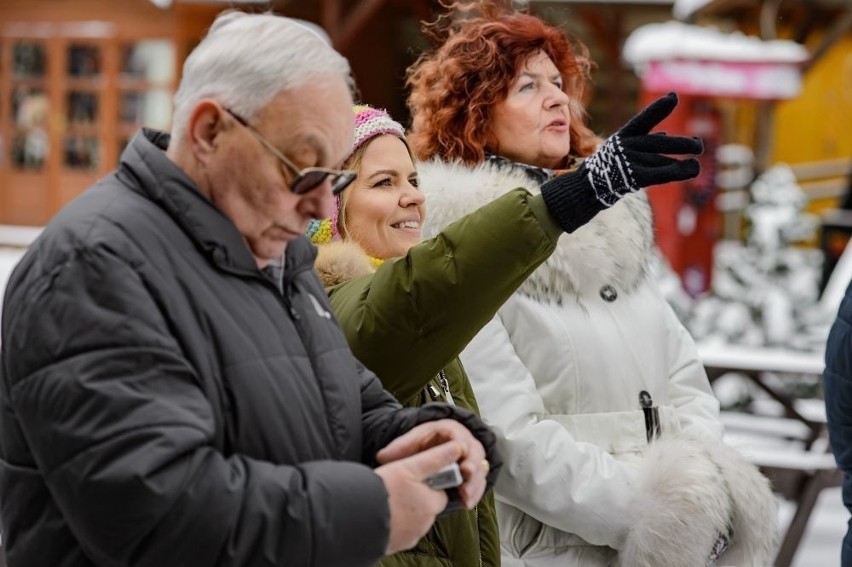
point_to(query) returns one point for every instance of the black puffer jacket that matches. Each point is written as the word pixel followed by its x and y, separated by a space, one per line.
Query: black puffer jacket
pixel 162 403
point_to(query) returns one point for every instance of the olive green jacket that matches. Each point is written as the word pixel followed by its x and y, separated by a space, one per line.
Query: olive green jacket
pixel 410 319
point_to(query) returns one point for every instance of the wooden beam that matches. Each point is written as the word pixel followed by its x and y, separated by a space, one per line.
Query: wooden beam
pixel 806 25
pixel 764 135
pixel 841 26
pixel 768 17
pixel 357 19
pixel 716 7
pixel 330 11
pixel 609 35
pixel 423 10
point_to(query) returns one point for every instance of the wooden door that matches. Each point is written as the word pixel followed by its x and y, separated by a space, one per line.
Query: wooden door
pixel 71 97
pixel 25 152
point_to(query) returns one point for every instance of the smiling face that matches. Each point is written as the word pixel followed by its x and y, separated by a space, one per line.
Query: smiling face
pixel 532 125
pixel 383 208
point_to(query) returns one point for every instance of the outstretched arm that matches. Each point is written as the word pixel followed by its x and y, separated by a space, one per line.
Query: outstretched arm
pixel 417 313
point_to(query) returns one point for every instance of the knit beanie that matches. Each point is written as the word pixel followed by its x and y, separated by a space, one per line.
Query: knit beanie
pixel 369 123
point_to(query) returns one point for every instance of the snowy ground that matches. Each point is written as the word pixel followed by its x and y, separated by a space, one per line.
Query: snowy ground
pixel 8 258
pixel 820 546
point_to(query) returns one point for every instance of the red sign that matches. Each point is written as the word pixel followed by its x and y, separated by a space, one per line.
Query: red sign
pixel 769 80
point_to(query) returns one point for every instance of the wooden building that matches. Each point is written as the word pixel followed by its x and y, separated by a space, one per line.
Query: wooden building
pixel 78 78
pixel 813 126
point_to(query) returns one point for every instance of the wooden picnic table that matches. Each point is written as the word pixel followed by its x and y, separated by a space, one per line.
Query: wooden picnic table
pixel 798 473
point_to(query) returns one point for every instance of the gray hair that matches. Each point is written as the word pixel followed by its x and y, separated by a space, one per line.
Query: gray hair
pixel 247 59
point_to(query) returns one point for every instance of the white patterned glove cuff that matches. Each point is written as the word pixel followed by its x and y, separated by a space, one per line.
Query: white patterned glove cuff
pixel 610 173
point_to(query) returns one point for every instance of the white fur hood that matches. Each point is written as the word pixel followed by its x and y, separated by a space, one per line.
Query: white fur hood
pixel 614 247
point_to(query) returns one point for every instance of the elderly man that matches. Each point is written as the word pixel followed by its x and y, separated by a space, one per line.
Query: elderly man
pixel 174 389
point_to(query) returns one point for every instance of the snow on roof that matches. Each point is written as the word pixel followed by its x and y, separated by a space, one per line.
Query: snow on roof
pixel 676 40
pixel 167 3
pixel 682 9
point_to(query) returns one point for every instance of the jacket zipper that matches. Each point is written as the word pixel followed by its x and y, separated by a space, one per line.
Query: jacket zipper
pixel 287 296
pixel 652 416
pixel 445 386
pixel 478 532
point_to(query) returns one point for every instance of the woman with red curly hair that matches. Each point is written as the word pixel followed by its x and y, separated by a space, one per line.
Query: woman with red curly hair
pixel 608 428
pixel 454 89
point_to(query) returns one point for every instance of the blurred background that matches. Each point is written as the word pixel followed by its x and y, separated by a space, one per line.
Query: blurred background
pixel 753 253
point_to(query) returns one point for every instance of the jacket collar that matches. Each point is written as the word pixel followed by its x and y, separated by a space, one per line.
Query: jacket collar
pixel 341 261
pixel 540 175
pixel 162 181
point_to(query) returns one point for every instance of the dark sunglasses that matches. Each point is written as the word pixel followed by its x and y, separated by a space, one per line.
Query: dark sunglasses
pixel 307 179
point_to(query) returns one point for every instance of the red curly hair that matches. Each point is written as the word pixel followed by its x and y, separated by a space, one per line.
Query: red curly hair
pixel 454 88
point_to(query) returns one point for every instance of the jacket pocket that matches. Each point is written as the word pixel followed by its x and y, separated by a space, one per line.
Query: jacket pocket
pixel 525 535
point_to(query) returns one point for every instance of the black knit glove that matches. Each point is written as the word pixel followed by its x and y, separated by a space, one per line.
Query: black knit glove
pixel 629 160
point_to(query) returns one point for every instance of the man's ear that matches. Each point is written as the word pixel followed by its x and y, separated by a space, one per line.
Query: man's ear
pixel 206 123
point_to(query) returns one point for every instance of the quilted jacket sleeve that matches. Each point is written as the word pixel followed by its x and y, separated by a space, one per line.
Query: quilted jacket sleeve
pixel 418 312
pixel 118 427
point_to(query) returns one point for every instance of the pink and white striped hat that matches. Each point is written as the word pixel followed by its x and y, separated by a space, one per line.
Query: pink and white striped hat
pixel 371 122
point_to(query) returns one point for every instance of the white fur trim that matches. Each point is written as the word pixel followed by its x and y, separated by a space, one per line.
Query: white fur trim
pixel 688 490
pixel 614 247
pixel 341 261
pixel 754 522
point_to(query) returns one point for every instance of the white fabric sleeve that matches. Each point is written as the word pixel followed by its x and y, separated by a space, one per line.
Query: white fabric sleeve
pixel 574 487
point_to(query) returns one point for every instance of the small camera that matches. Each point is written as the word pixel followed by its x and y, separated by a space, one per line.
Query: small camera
pixel 448 477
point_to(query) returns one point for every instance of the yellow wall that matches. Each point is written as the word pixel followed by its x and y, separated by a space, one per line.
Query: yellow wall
pixel 818 124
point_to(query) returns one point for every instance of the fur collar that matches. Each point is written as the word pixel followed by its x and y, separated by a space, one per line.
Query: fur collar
pixel 614 248
pixel 340 261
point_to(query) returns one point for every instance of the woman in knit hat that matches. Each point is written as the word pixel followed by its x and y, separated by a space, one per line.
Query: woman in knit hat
pixel 408 308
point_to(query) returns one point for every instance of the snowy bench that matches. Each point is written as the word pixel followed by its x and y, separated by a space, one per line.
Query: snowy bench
pixel 787 439
pixel 756 362
pixel 798 472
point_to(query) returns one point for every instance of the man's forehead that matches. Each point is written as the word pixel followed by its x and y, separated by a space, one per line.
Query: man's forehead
pixel 332 139
pixel 319 117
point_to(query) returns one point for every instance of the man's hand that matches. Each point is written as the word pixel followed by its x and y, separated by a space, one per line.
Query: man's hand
pixel 472 461
pixel 413 504
pixel 410 459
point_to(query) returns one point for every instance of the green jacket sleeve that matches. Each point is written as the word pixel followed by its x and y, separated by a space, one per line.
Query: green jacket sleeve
pixel 418 312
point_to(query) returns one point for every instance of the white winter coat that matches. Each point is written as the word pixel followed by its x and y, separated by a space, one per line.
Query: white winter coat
pixel 558 373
